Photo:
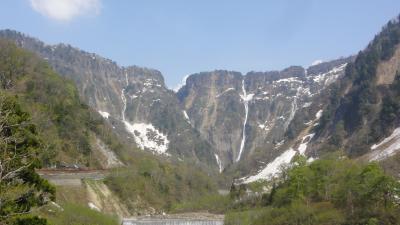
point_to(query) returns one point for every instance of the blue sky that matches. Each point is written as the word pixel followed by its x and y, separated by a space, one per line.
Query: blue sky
pixel 180 37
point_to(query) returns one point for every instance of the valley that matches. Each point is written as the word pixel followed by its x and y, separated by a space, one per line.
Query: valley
pixel 87 141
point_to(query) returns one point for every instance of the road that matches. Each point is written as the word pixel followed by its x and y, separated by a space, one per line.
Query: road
pixel 70 177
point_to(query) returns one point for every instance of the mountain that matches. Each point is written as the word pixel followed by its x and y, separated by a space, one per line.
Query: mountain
pixel 364 108
pixel 219 118
pixel 134 100
pixel 61 130
pixel 358 115
pixel 242 114
pixel 70 129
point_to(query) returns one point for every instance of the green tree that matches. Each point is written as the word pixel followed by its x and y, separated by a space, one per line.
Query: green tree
pixel 20 187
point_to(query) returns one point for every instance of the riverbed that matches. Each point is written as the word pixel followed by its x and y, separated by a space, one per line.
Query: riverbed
pixel 182 219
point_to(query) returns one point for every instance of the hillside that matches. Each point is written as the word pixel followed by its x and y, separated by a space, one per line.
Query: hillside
pixel 133 100
pixel 241 123
pixel 73 135
pixel 246 116
pixel 364 107
pixel 219 118
pixel 359 114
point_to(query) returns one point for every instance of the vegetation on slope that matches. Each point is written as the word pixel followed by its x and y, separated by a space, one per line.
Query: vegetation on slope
pixel 157 184
pixel 361 110
pixel 20 187
pixel 74 214
pixel 327 191
pixel 63 121
pixel 66 127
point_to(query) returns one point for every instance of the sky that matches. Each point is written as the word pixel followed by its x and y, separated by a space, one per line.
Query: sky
pixel 181 37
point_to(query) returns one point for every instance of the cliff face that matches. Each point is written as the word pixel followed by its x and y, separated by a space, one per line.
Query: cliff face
pixel 133 99
pixel 219 118
pixel 239 114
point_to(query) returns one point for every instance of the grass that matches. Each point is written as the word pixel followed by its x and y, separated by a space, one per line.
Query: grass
pixel 213 203
pixel 74 214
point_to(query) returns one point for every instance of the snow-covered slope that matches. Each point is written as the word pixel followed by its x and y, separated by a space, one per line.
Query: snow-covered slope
pixel 386 148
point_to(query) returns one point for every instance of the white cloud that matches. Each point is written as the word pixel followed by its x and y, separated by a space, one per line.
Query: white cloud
pixel 66 10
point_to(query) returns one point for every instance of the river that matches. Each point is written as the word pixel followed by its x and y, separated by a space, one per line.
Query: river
pixel 177 219
pixel 172 222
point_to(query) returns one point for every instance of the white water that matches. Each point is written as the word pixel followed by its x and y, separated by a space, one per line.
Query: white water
pixel 221 168
pixel 173 222
pixel 123 97
pixel 246 98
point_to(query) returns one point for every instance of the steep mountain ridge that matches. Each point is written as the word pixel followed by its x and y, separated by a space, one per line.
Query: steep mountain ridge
pixel 242 114
pixel 364 107
pixel 133 99
pixel 70 135
pixel 219 118
pixel 359 114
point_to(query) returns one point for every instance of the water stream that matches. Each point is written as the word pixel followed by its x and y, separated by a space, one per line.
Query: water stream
pixel 172 222
pixel 246 98
pixel 124 98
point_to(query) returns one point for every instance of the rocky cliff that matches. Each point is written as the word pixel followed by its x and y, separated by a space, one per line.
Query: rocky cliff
pixel 239 114
pixel 133 99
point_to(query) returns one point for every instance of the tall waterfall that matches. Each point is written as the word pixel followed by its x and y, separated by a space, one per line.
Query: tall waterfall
pixel 246 98
pixel 124 98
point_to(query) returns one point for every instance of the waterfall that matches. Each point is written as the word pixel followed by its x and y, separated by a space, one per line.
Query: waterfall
pixel 124 98
pixel 246 98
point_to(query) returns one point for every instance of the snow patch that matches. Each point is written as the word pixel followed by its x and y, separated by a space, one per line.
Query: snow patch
pixel 311 159
pixel 265 126
pixel 183 83
pixel 273 168
pixel 288 80
pixel 227 90
pixel 145 135
pixel 308 123
pixel 316 62
pixel 57 206
pixel 318 115
pixel 93 207
pixel 151 83
pixel 112 160
pixel 279 144
pixel 330 76
pixel 304 142
pixel 105 115
pixel 148 137
pixel 388 147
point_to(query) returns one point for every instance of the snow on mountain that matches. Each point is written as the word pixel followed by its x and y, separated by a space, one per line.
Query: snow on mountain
pixel 316 62
pixel 305 140
pixel 386 148
pixel 105 115
pixel 183 83
pixel 148 137
pixel 330 76
pixel 273 168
